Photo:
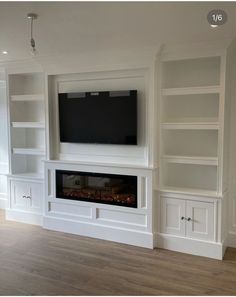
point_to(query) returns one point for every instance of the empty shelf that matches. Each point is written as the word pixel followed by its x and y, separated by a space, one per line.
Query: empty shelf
pixel 29 151
pixel 191 160
pixel 191 126
pixel 190 191
pixel 190 90
pixel 40 125
pixel 33 97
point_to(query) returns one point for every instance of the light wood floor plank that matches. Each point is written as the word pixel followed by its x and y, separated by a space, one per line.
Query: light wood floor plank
pixel 34 261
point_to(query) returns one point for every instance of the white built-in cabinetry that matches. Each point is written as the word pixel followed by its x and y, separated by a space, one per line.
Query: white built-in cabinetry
pixel 182 208
pixel 187 218
pixel 27 144
pixel 192 101
pixel 193 153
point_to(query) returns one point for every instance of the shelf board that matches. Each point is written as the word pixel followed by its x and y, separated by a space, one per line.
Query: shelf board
pixel 26 98
pixel 195 120
pixel 40 125
pixel 190 191
pixel 190 125
pixel 28 175
pixel 191 91
pixel 198 160
pixel 29 151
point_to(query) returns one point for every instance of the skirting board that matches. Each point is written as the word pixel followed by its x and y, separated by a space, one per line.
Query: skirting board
pixel 3 201
pixel 142 239
pixel 231 239
pixel 23 217
pixel 190 246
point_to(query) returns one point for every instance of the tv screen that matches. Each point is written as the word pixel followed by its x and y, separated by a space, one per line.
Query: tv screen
pixel 98 117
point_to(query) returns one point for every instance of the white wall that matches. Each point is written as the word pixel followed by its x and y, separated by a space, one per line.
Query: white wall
pixel 231 211
pixel 3 142
pixel 232 156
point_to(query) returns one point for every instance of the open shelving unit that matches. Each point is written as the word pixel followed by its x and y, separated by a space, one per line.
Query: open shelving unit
pixel 27 124
pixel 191 105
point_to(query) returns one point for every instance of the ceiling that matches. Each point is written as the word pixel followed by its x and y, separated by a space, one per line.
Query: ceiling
pixel 65 28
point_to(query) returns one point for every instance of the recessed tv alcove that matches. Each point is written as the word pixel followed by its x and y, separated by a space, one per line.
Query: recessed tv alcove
pixel 97 187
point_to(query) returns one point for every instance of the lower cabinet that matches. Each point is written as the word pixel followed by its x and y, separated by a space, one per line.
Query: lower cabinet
pixel 26 196
pixel 187 218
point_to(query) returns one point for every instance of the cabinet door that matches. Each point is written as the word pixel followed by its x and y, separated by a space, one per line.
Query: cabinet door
pixel 200 220
pixel 19 194
pixel 36 193
pixel 172 216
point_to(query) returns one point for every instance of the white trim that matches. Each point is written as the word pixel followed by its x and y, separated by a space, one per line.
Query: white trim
pixel 33 97
pixel 29 151
pixel 178 192
pixel 191 126
pixel 40 125
pixel 191 160
pixel 190 90
pixel 24 217
pixel 3 201
pixel 190 246
pixel 138 238
pixel 231 239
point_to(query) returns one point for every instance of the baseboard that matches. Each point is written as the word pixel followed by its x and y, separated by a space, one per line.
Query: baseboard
pixel 190 246
pixel 231 239
pixel 23 217
pixel 132 237
pixel 3 201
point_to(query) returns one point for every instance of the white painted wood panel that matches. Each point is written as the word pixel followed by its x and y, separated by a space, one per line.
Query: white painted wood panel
pixel 106 215
pixel 19 192
pixel 200 220
pixel 26 196
pixel 64 209
pixel 173 216
pixel 36 193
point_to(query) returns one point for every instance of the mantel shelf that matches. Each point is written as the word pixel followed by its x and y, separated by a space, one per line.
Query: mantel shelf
pixel 190 191
pixel 191 126
pixel 40 125
pixel 191 90
pixel 29 151
pixel 198 160
pixel 30 97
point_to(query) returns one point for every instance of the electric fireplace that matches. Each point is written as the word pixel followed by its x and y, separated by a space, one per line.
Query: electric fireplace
pixel 97 187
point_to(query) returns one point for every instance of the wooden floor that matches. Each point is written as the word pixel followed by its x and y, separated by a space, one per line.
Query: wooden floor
pixel 34 261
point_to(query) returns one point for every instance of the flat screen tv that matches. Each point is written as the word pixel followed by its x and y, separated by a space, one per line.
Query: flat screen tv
pixel 108 117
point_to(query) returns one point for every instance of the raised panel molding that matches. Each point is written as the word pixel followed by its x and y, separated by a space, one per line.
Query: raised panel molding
pixel 172 211
pixel 201 224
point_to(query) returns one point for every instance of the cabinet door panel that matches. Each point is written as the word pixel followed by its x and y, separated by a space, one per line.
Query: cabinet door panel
pixel 36 195
pixel 19 193
pixel 201 220
pixel 172 214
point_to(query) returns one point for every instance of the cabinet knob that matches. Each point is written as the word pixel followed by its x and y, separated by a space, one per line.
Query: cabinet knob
pixel 189 219
pixel 28 197
pixel 182 218
pixel 24 196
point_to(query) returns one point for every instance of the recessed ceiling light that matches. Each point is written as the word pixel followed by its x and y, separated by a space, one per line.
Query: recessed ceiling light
pixel 214 26
pixel 4 52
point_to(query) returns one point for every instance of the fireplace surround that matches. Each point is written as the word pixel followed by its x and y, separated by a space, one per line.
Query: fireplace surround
pixel 127 222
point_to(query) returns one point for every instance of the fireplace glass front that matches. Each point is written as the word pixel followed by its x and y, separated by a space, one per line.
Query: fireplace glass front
pixel 97 187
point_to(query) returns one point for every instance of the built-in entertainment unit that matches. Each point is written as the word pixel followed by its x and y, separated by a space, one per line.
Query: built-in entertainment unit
pixel 108 117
